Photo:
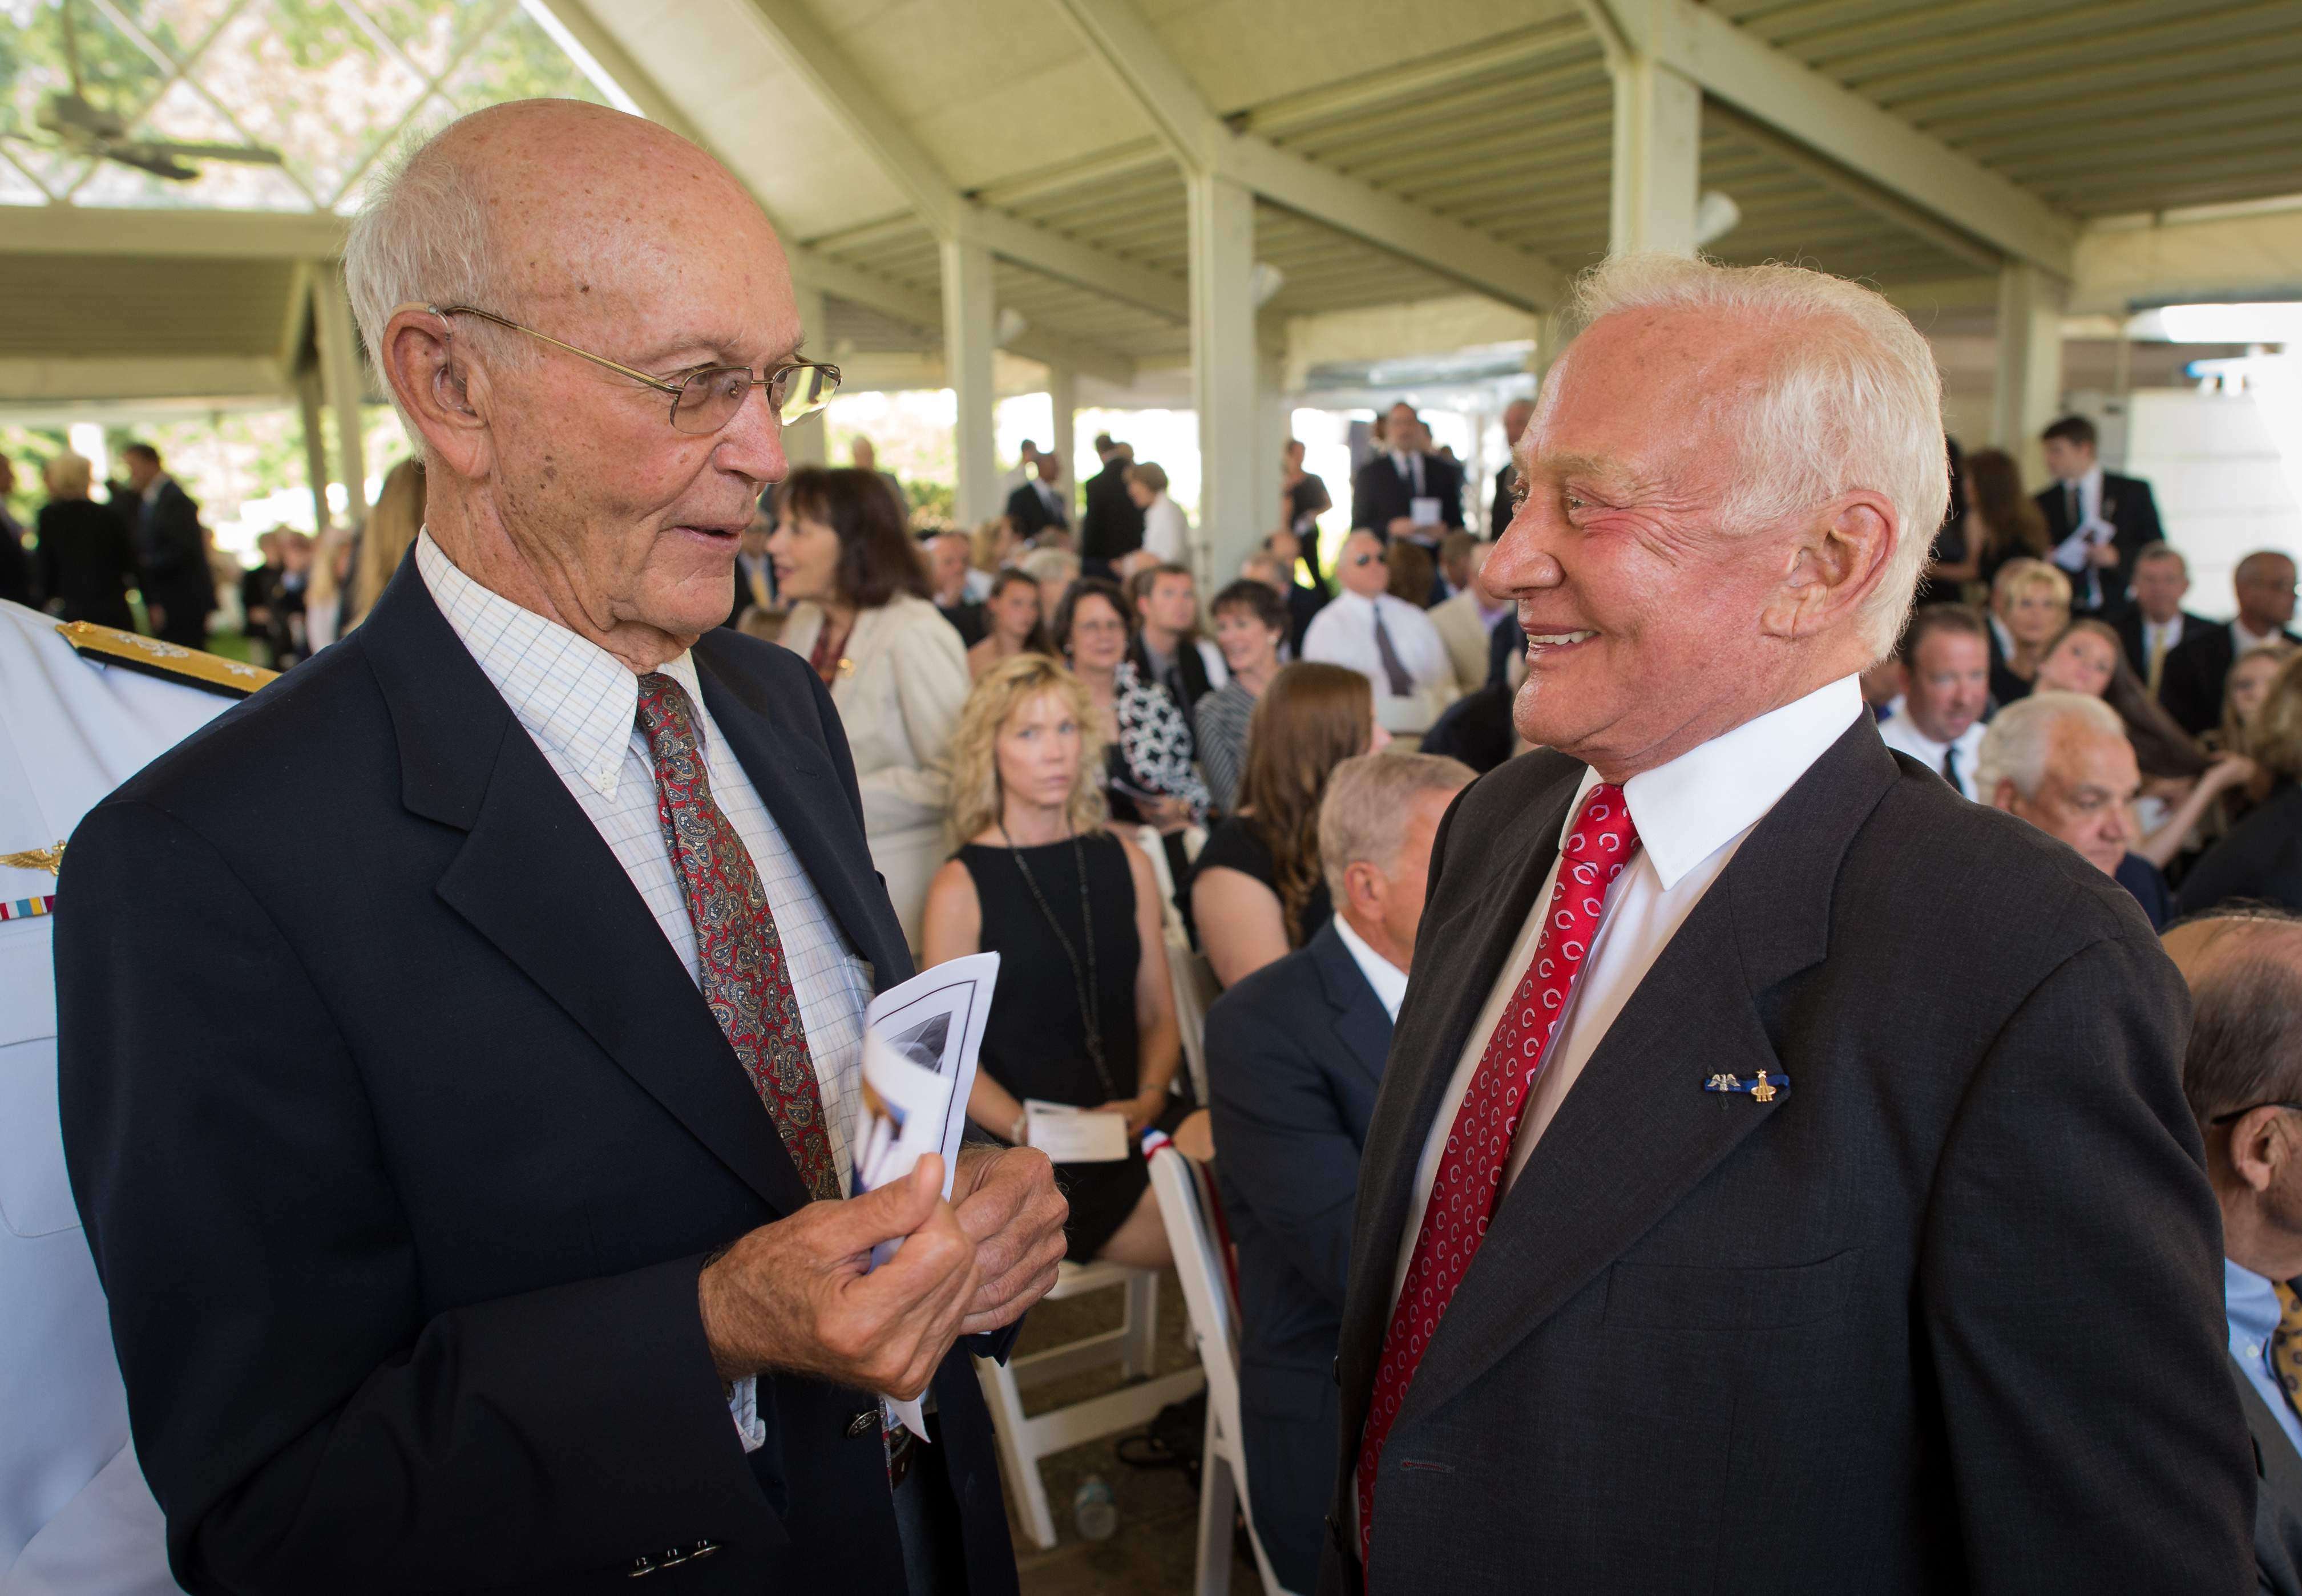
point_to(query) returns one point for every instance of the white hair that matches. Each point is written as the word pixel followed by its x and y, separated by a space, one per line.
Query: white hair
pixel 1853 400
pixel 1363 819
pixel 422 236
pixel 2015 746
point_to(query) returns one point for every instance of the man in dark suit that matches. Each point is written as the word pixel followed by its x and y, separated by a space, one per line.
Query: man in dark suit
pixel 1295 1054
pixel 1685 1252
pixel 1516 415
pixel 2096 523
pixel 1111 527
pixel 2156 624
pixel 1407 487
pixel 508 1242
pixel 172 558
pixel 2190 688
pixel 2241 1074
pixel 1038 503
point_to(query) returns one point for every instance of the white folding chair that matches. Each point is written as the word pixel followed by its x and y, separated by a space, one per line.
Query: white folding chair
pixel 1189 977
pixel 1024 1441
pixel 1201 1264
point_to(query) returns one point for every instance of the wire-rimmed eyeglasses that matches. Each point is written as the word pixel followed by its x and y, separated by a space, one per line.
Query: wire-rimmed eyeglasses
pixel 2239 1113
pixel 701 401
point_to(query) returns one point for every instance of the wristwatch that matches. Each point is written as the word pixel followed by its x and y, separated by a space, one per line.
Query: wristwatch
pixel 1020 1130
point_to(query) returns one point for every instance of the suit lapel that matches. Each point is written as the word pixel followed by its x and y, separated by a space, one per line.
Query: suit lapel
pixel 1579 1203
pixel 1443 1000
pixel 1360 1021
pixel 817 814
pixel 535 878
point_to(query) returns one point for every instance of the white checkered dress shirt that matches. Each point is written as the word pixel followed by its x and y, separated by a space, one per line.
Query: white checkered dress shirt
pixel 581 705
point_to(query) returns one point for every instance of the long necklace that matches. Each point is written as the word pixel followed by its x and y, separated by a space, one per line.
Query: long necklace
pixel 1083 984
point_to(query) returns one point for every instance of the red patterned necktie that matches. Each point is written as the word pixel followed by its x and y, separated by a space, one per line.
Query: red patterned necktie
pixel 1468 1182
pixel 739 958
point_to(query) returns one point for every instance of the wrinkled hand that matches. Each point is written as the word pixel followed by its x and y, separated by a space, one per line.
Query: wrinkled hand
pixel 1008 1206
pixel 793 1296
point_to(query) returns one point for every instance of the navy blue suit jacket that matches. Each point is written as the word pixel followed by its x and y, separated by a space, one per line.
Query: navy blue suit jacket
pixel 401 1134
pixel 1295 1056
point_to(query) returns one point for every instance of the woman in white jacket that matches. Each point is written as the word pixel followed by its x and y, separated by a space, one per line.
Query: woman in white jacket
pixel 861 616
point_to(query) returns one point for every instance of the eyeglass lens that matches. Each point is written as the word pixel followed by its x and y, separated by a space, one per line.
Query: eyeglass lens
pixel 709 400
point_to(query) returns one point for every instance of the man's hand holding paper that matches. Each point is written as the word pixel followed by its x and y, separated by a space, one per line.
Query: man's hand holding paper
pixel 800 1296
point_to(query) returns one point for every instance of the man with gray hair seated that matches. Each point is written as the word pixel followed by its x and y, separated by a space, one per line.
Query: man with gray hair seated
pixel 1764 1119
pixel 2061 762
pixel 1295 1052
pixel 459 1049
pixel 2243 1078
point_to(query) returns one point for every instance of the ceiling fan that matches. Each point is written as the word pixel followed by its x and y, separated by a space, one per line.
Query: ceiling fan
pixel 85 128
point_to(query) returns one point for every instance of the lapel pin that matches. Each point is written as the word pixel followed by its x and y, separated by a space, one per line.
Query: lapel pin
pixel 1763 1087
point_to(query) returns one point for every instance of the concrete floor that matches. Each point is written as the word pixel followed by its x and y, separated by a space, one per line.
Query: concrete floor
pixel 1157 1543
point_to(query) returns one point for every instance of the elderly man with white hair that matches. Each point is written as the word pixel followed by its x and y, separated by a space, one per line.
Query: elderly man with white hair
pixel 459 1050
pixel 1781 1179
pixel 2061 762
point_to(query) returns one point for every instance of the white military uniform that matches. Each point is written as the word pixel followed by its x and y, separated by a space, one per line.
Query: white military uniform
pixel 76 1518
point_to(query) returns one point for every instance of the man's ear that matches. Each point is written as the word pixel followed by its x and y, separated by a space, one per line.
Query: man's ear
pixel 1836 564
pixel 443 391
pixel 2006 797
pixel 1364 888
pixel 2257 1147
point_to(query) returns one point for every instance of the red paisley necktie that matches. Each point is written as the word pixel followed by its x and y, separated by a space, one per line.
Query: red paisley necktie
pixel 1469 1179
pixel 739 958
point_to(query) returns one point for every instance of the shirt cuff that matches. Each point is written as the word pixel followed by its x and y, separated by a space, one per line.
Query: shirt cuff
pixel 744 1407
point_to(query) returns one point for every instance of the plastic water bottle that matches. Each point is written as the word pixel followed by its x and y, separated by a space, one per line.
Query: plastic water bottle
pixel 1093 1511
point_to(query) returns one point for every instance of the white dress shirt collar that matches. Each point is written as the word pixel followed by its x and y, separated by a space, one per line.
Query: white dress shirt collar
pixel 2244 640
pixel 1388 979
pixel 568 692
pixel 1687 810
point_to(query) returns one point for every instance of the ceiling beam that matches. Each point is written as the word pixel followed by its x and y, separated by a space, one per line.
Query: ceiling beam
pixel 809 267
pixel 96 380
pixel 951 215
pixel 1776 89
pixel 1203 144
pixel 1891 208
pixel 171 234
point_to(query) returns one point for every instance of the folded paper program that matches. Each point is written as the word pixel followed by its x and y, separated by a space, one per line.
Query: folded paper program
pixel 920 1045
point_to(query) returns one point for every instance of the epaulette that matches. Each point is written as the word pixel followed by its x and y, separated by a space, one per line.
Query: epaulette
pixel 170 661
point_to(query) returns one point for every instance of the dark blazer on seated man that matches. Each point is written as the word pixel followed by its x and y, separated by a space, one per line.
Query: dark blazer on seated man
pixel 1821 1342
pixel 2128 622
pixel 2191 682
pixel 1295 1054
pixel 400 1170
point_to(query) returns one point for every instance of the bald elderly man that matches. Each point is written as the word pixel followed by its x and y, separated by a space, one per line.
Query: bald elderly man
pixel 1781 1179
pixel 459 1046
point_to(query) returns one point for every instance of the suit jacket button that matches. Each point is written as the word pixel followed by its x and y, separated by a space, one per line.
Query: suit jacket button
pixel 640 1566
pixel 860 1424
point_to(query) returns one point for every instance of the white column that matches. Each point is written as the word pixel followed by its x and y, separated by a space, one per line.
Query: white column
pixel 1658 157
pixel 339 370
pixel 1223 361
pixel 1062 400
pixel 1272 429
pixel 807 444
pixel 316 445
pixel 2028 393
pixel 970 335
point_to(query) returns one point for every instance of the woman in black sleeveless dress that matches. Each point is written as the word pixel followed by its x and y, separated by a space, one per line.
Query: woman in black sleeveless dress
pixel 1083 1013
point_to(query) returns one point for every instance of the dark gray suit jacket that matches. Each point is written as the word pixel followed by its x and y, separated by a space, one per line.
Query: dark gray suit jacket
pixel 1831 1342
pixel 2277 1494
pixel 1295 1055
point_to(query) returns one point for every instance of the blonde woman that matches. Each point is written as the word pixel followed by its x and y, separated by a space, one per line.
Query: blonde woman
pixel 2030 606
pixel 391 526
pixel 1083 1014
